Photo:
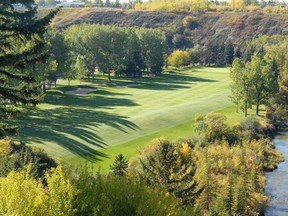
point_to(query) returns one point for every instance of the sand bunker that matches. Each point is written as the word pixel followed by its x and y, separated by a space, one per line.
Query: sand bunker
pixel 134 85
pixel 80 91
pixel 129 85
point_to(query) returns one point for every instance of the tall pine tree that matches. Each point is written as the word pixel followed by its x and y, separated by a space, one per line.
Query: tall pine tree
pixel 21 47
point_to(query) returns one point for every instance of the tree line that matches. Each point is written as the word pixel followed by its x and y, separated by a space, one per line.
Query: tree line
pixel 83 50
pixel 261 77
pixel 204 5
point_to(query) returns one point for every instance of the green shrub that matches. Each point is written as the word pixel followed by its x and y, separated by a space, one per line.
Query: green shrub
pixel 188 22
pixel 251 128
pixel 213 127
pixel 82 193
pixel 277 115
pixel 14 157
pixel 116 195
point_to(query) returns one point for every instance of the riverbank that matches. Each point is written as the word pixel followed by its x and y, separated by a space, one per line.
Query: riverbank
pixel 277 180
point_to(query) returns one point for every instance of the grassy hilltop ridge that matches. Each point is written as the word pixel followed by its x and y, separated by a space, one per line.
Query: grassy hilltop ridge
pixel 123 117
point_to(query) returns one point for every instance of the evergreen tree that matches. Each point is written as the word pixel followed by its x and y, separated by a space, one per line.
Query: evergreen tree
pixel 107 3
pixel 120 165
pixel 237 53
pixel 172 168
pixel 21 47
pixel 229 53
pixel 239 197
pixel 207 183
pixel 220 57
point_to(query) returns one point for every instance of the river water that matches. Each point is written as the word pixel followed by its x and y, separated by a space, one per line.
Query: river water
pixel 277 181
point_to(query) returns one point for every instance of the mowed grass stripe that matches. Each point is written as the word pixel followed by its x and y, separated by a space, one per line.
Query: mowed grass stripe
pixel 75 128
pixel 164 115
pixel 178 96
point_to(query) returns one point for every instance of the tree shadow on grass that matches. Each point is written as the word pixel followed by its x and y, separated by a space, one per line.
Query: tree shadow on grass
pixel 72 128
pixel 77 148
pixel 89 101
pixel 171 82
pixel 105 92
pixel 180 79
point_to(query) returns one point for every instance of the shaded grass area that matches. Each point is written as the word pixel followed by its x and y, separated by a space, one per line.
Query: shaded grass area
pixel 115 120
pixel 69 121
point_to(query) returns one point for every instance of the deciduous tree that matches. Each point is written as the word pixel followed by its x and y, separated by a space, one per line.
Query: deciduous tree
pixel 179 58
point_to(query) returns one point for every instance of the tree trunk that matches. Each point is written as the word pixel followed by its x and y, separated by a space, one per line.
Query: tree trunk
pixel 44 87
pixel 88 75
pixel 237 107
pixel 246 108
pixel 93 76
pixel 68 82
pixel 109 76
pixel 257 109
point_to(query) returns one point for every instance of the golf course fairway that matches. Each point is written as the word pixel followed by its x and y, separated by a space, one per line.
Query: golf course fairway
pixel 122 116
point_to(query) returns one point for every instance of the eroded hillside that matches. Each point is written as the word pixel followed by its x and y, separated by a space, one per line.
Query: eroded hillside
pixel 206 27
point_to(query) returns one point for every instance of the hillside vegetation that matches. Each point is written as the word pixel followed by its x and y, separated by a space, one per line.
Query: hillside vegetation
pixel 209 27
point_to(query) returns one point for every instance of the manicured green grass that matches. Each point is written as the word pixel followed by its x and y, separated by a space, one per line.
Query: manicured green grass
pixel 119 119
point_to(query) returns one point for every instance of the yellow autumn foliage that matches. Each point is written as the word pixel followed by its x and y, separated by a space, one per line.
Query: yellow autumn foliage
pixel 179 58
pixel 174 5
pixel 5 147
pixel 185 150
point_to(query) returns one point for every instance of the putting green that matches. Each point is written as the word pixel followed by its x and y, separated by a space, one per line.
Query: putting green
pixel 122 118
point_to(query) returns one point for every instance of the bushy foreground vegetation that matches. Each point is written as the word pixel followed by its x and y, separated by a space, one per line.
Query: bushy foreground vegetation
pixel 16 157
pixel 218 171
pixel 82 193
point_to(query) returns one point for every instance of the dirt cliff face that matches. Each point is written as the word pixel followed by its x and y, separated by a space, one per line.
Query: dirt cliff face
pixel 209 27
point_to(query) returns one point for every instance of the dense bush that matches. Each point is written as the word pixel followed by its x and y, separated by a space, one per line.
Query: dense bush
pixel 251 128
pixel 179 58
pixel 230 178
pixel 277 115
pixel 229 165
pixel 14 157
pixel 213 127
pixel 81 193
